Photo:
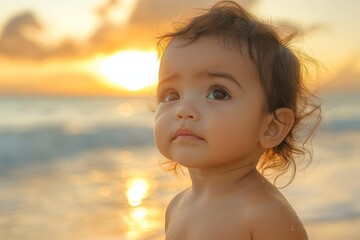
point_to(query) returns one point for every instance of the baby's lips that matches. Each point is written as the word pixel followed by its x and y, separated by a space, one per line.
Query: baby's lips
pixel 185 132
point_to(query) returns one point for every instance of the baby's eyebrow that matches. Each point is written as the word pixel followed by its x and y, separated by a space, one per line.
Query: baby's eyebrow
pixel 225 75
pixel 167 80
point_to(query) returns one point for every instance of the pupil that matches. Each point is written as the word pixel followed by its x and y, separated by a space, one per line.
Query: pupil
pixel 219 94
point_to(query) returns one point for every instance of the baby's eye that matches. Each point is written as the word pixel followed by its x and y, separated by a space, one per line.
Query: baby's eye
pixel 171 96
pixel 218 93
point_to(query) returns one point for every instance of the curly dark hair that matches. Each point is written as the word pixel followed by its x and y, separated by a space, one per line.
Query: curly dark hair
pixel 281 70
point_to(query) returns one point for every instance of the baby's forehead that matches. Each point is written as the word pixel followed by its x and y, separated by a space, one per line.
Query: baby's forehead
pixel 207 56
pixel 210 45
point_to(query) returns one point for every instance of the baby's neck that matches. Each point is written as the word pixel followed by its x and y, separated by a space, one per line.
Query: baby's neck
pixel 208 181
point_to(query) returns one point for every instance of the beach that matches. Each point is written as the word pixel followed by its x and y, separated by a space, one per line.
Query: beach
pixel 87 168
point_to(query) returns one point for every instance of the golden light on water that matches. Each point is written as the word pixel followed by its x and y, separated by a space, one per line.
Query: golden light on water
pixel 104 191
pixel 139 222
pixel 141 218
pixel 132 69
pixel 139 213
pixel 137 191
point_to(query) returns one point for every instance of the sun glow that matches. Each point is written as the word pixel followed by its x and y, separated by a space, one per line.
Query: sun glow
pixel 132 70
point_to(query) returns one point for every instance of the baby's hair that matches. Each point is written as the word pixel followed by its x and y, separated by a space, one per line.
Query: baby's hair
pixel 281 72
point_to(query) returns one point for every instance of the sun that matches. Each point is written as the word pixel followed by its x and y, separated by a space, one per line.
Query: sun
pixel 132 69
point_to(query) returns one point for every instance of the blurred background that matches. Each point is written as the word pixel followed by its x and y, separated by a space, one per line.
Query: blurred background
pixel 77 158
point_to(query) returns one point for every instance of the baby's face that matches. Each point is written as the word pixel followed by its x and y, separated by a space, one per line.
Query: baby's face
pixel 211 105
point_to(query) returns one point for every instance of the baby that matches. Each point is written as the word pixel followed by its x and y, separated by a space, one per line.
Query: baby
pixel 230 100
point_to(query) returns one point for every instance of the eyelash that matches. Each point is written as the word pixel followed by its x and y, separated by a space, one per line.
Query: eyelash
pixel 219 87
pixel 166 93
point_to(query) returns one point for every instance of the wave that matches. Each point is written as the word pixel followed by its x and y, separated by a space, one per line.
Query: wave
pixel 48 143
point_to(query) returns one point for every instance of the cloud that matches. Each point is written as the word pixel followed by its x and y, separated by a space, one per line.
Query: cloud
pixel 151 12
pixel 103 10
pixel 18 38
pixel 148 18
pixel 15 40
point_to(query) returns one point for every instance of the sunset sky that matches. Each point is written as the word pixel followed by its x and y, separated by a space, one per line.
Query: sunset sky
pixel 106 47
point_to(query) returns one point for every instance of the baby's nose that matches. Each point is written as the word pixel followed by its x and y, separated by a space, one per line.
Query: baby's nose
pixel 187 111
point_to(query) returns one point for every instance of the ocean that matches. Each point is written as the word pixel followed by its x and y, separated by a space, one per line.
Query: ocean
pixel 87 168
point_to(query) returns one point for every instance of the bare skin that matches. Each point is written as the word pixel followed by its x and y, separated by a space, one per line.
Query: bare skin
pixel 251 208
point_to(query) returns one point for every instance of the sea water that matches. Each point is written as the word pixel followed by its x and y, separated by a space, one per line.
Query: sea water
pixel 87 168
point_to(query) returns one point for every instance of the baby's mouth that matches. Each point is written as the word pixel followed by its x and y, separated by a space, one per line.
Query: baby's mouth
pixel 186 135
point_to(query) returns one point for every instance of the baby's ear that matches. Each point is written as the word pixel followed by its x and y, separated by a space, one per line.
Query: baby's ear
pixel 277 127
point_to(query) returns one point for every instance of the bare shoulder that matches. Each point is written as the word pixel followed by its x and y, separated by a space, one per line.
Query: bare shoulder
pixel 174 203
pixel 272 217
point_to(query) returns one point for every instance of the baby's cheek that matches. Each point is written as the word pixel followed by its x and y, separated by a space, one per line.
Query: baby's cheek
pixel 161 135
pixel 157 132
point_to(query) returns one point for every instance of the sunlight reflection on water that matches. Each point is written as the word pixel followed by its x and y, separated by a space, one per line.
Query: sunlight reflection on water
pixel 137 190
pixel 98 195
